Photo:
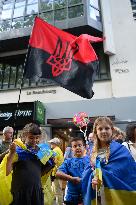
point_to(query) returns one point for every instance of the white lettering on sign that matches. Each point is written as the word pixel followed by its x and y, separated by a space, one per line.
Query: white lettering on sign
pixel 18 113
pixel 6 115
pixel 24 113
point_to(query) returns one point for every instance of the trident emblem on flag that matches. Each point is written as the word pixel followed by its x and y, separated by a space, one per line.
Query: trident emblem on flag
pixel 61 59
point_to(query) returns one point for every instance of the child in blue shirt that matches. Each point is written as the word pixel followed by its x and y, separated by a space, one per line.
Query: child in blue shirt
pixel 71 170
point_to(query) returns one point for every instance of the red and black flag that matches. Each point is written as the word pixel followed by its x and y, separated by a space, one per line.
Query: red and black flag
pixel 62 57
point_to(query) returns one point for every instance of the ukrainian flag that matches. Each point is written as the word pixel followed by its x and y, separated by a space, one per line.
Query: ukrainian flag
pixel 45 153
pixel 98 172
pixel 119 178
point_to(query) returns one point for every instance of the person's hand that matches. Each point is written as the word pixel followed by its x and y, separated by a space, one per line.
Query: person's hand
pixel 75 180
pixel 12 148
pixel 53 159
pixel 94 183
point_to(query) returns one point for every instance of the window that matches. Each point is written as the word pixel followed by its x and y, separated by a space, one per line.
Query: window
pixel 48 16
pixel 46 5
pixel 19 8
pixel 60 14
pixel 94 10
pixel 29 20
pixel 1 75
pixel 133 3
pixel 32 8
pixel 58 4
pixel 76 11
pixel 7 9
pixel 18 23
pixel 11 74
pixel 19 75
pixel 103 72
pixel 21 13
pixel 5 25
pixel 6 76
pixel 73 2
pixel 94 3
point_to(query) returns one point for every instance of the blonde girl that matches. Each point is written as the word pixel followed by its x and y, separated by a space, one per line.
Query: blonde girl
pixel 109 171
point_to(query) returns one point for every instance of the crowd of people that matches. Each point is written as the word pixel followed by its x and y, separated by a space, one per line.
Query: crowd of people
pixel 100 171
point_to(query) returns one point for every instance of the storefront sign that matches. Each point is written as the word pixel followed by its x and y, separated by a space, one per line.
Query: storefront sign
pixel 43 91
pixel 19 115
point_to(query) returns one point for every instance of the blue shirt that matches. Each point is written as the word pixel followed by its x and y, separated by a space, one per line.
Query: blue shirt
pixel 25 154
pixel 74 167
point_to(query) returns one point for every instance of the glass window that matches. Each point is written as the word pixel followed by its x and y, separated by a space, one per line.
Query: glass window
pixel 7 9
pixel 32 9
pixel 46 5
pixel 13 76
pixel 1 74
pixel 5 25
pixel 32 1
pixel 19 76
pixel 94 14
pixel 60 14
pixel 6 76
pixel 48 16
pixel 19 8
pixel 133 3
pixel 73 2
pixel 8 4
pixel 6 14
pixel 18 23
pixel 32 83
pixel 104 67
pixel 29 20
pixel 19 12
pixel 25 82
pixel 19 3
pixel 76 11
pixel 58 4
pixel 94 3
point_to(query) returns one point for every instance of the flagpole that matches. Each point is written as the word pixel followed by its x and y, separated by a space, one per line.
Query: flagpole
pixel 19 96
pixel 96 194
pixel 21 85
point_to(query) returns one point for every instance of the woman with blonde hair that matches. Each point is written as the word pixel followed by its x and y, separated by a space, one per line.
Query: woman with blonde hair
pixel 108 178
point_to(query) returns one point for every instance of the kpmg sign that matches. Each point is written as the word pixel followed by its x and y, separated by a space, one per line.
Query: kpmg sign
pixel 11 114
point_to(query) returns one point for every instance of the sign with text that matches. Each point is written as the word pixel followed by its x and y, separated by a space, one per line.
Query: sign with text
pixel 21 114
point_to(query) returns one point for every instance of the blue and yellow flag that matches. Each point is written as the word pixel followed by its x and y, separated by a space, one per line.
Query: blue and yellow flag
pixel 23 153
pixel 98 172
pixel 45 153
pixel 118 176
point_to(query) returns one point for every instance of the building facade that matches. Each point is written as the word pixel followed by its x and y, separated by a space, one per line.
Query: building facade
pixel 114 87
